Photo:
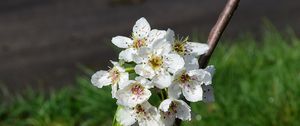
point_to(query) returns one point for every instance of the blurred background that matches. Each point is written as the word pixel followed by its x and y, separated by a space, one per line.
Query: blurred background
pixel 52 45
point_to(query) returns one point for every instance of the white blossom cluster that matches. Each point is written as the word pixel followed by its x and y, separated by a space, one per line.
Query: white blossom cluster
pixel 154 59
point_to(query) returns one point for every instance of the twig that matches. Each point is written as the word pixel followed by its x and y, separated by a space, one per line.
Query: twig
pixel 215 35
pixel 217 30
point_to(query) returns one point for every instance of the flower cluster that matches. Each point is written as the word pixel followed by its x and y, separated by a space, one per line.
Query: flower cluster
pixel 154 59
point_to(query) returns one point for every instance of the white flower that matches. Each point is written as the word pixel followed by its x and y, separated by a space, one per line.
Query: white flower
pixel 156 59
pixel 188 50
pixel 115 76
pixel 157 63
pixel 172 109
pixel 142 36
pixel 189 83
pixel 145 114
pixel 135 93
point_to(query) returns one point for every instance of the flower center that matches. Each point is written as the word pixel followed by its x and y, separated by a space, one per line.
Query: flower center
pixel 139 109
pixel 171 111
pixel 173 107
pixel 137 43
pixel 137 89
pixel 141 112
pixel 179 48
pixel 155 62
pixel 184 78
pixel 115 75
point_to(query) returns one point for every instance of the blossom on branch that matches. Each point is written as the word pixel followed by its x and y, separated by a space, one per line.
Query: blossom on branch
pixel 114 77
pixel 154 62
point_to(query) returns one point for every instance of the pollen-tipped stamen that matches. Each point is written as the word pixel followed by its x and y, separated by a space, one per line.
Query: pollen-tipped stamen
pixel 114 74
pixel 179 45
pixel 184 78
pixel 155 62
pixel 137 43
pixel 137 89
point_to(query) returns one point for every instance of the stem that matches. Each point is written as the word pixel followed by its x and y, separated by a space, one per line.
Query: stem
pixel 114 122
pixel 162 95
pixel 215 34
pixel 129 69
pixel 217 30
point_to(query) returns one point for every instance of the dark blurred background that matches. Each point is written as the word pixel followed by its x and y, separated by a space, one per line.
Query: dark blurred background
pixel 43 43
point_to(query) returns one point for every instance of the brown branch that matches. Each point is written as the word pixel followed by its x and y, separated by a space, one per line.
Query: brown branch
pixel 217 30
pixel 215 35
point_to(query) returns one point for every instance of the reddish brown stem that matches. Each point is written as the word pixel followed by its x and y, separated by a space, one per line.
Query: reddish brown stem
pixel 217 30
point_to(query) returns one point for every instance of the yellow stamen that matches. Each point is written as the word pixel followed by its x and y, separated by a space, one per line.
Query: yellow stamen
pixel 155 62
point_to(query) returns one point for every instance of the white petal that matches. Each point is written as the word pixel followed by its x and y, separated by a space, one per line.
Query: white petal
pixel 141 55
pixel 208 93
pixel 114 63
pixel 153 118
pixel 118 66
pixel 114 89
pixel 124 77
pixel 191 62
pixel 170 36
pixel 125 116
pixel 197 48
pixel 173 62
pixel 156 35
pixel 211 69
pixel 174 91
pixel 144 70
pixel 127 54
pixel 147 106
pixel 121 41
pixel 207 79
pixel 165 104
pixel 100 79
pixel 183 110
pixel 201 76
pixel 168 119
pixel 161 47
pixel 141 28
pixel 145 82
pixel 153 121
pixel 127 98
pixel 162 80
pixel 192 92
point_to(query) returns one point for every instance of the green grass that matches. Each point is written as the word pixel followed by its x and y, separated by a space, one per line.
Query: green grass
pixel 257 82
